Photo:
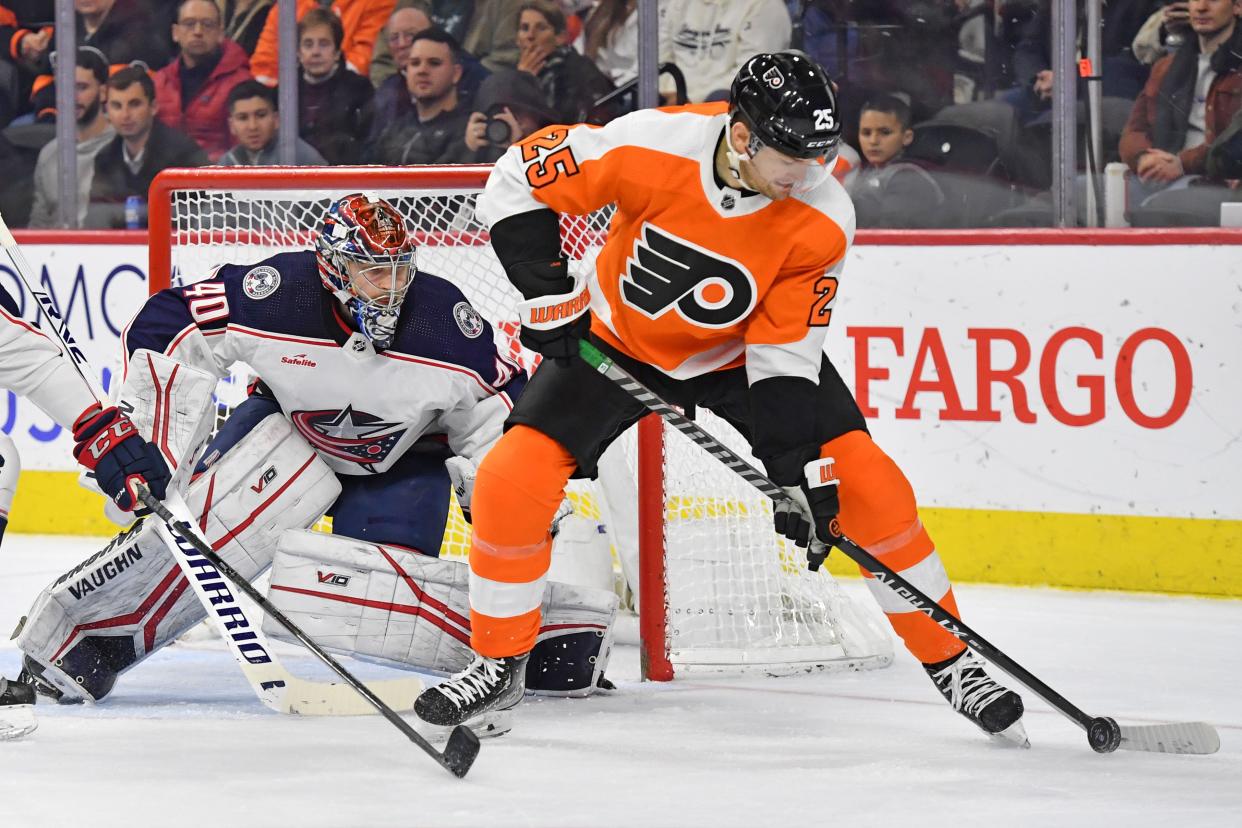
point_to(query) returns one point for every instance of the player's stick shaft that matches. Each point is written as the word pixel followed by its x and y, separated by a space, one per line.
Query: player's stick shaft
pixel 463 745
pixel 1103 734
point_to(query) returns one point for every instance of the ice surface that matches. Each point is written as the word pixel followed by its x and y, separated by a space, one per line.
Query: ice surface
pixel 183 742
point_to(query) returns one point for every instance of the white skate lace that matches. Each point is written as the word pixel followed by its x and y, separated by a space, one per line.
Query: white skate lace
pixel 970 689
pixel 472 683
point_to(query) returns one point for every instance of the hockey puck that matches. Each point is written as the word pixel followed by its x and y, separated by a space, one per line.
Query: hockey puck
pixel 1104 735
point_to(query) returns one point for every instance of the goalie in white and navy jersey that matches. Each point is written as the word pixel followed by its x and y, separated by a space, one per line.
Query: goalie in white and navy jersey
pixel 379 389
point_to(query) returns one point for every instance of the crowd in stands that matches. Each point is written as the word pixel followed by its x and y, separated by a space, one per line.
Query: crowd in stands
pixel 947 103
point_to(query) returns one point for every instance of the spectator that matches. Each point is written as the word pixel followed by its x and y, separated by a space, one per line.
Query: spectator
pixel 25 41
pixel 1190 98
pixel 244 21
pixel 492 34
pixel 888 190
pixel 432 132
pixel 510 105
pixel 141 148
pixel 1123 75
pixel 119 29
pixel 571 83
pixel 122 31
pixel 709 40
pixel 393 48
pixel 192 91
pixel 360 20
pixel 253 121
pixel 93 133
pixel 392 98
pixel 334 102
pixel 611 39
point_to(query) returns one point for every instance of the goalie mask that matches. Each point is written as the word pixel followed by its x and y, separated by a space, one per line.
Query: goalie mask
pixel 366 259
pixel 787 102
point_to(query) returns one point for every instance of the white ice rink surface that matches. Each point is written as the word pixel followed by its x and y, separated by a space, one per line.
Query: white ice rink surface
pixel 183 742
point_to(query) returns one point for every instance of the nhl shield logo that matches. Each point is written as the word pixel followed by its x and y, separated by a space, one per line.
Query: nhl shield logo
pixel 468 319
pixel 261 282
pixel 773 78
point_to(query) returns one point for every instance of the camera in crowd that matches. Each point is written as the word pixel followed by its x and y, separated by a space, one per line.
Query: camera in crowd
pixel 499 132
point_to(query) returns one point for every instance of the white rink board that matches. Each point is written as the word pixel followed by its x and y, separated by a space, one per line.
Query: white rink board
pixel 1190 466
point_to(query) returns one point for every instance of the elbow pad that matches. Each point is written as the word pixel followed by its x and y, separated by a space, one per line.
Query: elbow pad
pixel 784 424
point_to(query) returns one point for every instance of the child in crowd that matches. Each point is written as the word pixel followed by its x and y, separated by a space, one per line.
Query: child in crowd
pixel 888 189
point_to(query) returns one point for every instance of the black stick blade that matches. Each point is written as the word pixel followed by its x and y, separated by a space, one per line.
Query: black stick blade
pixel 461 750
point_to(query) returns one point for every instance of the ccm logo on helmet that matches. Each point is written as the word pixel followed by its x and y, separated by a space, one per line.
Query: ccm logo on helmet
pixel 704 288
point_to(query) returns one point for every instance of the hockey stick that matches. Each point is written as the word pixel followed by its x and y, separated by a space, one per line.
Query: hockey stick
pixel 205 569
pixel 1103 733
pixel 292 694
pixel 275 686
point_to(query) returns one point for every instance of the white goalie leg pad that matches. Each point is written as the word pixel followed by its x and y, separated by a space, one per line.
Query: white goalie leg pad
pixel 104 615
pixel 411 610
pixel 170 403
pixel 130 599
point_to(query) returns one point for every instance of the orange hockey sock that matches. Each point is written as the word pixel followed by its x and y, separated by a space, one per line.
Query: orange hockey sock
pixel 519 486
pixel 878 511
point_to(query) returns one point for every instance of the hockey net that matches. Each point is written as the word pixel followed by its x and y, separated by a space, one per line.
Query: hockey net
pixel 736 598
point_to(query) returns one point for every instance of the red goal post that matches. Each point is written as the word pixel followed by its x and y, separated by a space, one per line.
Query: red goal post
pixel 734 598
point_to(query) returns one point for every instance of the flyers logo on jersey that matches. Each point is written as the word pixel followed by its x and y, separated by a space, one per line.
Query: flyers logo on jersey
pixel 704 288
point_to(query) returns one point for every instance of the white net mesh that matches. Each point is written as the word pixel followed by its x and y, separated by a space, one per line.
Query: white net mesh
pixel 737 597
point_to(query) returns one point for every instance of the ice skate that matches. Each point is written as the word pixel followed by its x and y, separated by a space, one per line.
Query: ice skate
pixel 477 696
pixel 17 701
pixel 996 709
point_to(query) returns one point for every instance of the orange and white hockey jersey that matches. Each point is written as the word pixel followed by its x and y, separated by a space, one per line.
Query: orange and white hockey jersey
pixel 694 276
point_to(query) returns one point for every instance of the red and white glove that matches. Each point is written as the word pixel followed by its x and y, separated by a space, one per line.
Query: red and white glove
pixel 108 444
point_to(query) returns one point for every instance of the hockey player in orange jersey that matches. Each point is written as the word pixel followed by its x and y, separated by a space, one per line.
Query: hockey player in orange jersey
pixel 714 287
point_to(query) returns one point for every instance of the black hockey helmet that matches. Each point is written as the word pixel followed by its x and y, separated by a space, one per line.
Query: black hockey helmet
pixel 787 102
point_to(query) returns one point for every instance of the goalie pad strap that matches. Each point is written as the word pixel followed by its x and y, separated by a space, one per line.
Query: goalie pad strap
pixel 413 611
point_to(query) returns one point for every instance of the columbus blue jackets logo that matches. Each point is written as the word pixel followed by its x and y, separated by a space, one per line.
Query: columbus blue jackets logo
pixel 261 282
pixel 348 434
pixel 704 288
pixel 468 319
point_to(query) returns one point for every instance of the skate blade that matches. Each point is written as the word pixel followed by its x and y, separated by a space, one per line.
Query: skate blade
pixel 1012 736
pixel 16 721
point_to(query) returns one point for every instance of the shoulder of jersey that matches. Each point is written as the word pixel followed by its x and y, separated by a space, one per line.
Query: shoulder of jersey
pixel 441 324
pixel 831 199
pixel 279 293
pixel 676 130
pixel 275 280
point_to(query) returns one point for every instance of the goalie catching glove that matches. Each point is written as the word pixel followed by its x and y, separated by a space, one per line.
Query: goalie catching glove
pixel 555 314
pixel 108 444
pixel 809 516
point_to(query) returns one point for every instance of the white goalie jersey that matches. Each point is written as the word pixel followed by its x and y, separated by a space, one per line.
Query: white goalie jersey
pixel 445 378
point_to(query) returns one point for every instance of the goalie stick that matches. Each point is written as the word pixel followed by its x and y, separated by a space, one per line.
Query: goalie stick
pixel 275 686
pixel 1104 734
